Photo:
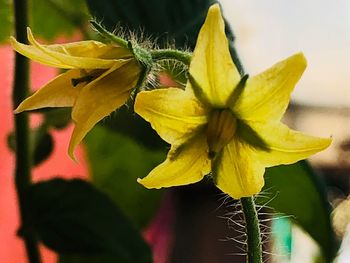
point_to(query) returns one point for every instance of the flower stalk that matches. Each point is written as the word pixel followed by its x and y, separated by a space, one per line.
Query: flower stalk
pixel 254 248
pixel 23 158
pixel 108 35
pixel 164 54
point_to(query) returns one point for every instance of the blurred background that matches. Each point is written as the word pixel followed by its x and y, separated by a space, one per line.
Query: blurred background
pixel 194 223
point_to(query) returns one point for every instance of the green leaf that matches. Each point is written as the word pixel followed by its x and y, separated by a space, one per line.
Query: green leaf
pixel 5 19
pixel 164 20
pixel 126 122
pixel 58 118
pixel 297 191
pixel 73 217
pixel 92 259
pixel 116 162
pixel 41 144
pixel 50 18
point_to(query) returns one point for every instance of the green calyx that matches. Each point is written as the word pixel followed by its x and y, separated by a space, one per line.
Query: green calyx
pixel 142 55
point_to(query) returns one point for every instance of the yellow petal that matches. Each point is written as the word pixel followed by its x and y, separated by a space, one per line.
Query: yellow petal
pixel 36 54
pixel 172 112
pixel 211 64
pixel 190 166
pixel 285 146
pixel 66 58
pixel 59 92
pixel 238 172
pixel 90 48
pixel 101 97
pixel 265 97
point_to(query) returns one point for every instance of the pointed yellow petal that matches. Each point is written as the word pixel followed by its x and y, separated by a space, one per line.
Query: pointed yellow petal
pixel 90 48
pixel 101 97
pixel 172 112
pixel 67 55
pixel 265 97
pixel 211 65
pixel 36 54
pixel 285 146
pixel 238 172
pixel 89 61
pixel 190 165
pixel 59 92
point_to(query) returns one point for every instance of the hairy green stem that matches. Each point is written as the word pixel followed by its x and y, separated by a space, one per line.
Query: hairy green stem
pixel 163 54
pixel 254 249
pixel 108 35
pixel 23 159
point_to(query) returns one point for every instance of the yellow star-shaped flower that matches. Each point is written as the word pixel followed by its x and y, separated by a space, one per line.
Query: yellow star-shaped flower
pixel 224 125
pixel 99 80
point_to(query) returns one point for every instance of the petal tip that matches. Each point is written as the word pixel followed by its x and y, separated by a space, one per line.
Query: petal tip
pixel 72 155
pixel 328 142
pixel 214 12
pixel 300 59
pixel 18 110
pixel 14 43
pixel 21 107
pixel 141 181
pixel 12 40
pixel 29 32
pixel 214 8
pixel 71 149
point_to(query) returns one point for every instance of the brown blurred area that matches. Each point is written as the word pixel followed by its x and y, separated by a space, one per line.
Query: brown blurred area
pixel 333 163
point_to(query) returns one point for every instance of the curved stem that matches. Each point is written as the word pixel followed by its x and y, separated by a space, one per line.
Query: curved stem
pixel 108 35
pixel 254 251
pixel 23 159
pixel 163 54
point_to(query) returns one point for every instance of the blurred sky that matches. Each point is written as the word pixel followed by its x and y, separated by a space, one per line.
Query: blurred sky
pixel 268 31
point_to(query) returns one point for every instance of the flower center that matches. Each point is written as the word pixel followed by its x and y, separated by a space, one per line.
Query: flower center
pixel 220 131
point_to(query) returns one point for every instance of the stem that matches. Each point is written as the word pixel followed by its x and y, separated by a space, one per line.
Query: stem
pixel 254 251
pixel 182 56
pixel 23 159
pixel 108 35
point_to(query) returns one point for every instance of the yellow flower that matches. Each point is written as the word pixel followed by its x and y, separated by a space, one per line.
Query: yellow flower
pixel 99 80
pixel 223 125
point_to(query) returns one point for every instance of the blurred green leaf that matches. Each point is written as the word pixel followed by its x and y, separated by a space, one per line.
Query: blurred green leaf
pixel 41 144
pixel 5 19
pixel 297 191
pixel 166 20
pixel 126 122
pixel 71 216
pixel 51 18
pixel 93 259
pixel 58 118
pixel 116 162
pixel 65 17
